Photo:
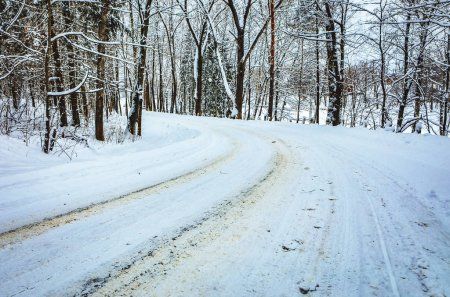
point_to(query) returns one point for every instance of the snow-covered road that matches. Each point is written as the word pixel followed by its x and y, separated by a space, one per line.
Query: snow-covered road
pixel 231 208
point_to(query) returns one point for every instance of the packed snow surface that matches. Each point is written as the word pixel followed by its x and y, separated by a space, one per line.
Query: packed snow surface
pixel 216 207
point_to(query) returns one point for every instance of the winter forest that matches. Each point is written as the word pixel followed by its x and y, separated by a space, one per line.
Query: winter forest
pixel 225 148
pixel 77 69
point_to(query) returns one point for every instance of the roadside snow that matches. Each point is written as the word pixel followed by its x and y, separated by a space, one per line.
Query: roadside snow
pixel 33 188
pixel 243 208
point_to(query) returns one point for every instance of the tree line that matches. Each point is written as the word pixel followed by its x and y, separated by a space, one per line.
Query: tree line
pixel 74 69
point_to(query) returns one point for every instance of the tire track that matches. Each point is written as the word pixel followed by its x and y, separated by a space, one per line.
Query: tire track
pixel 380 236
pixel 157 261
pixel 30 230
pixel 402 188
pixel 387 259
pixel 420 262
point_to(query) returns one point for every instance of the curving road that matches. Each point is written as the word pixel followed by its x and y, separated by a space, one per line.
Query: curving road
pixel 231 208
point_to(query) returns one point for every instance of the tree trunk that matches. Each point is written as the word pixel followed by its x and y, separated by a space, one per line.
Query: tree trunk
pixel 152 85
pixel 148 102
pixel 316 115
pixel 406 83
pixel 48 102
pixel 15 92
pixel 446 97
pixel 199 82
pixel 240 74
pixel 277 96
pixel 271 58
pixel 161 86
pixel 419 72
pixel 382 76
pixel 300 82
pixel 100 95
pixel 68 20
pixel 61 102
pixel 334 75
pixel 136 106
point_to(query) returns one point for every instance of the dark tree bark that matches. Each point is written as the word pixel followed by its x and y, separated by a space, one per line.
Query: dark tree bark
pixel 68 20
pixel 48 101
pixel 271 58
pixel 316 115
pixel 161 107
pixel 100 95
pixel 418 94
pixel 199 82
pixel 15 92
pixel 300 82
pixel 136 106
pixel 161 85
pixel 148 102
pixel 33 100
pixel 240 73
pixel 152 84
pixel 277 97
pixel 84 104
pixel 446 96
pixel 382 70
pixel 406 81
pixel 335 81
pixel 342 42
pixel 60 101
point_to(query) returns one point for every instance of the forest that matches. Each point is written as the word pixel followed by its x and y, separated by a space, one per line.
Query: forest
pixel 72 71
pixel 224 148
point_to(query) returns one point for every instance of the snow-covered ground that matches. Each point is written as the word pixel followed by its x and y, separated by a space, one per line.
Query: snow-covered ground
pixel 215 207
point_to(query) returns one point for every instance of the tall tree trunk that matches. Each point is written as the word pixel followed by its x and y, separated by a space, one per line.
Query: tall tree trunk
pixel 61 102
pixel 342 42
pixel 85 105
pixel 33 100
pixel 199 81
pixel 420 72
pixel 300 81
pixel 316 115
pixel 161 85
pixel 382 72
pixel 271 58
pixel 334 75
pixel 160 82
pixel 132 29
pixel 148 102
pixel 277 96
pixel 68 20
pixel 100 94
pixel 446 96
pixel 136 106
pixel 240 73
pixel 48 101
pixel 152 85
pixel 406 81
pixel 15 92
pixel 249 90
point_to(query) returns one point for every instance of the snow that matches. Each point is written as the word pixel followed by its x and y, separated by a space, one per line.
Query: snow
pixel 104 174
pixel 70 91
pixel 236 208
pixel 235 112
